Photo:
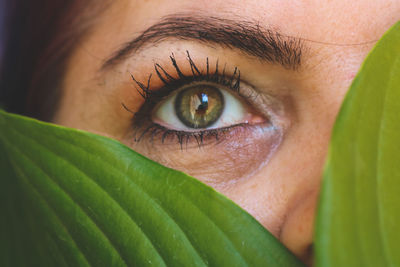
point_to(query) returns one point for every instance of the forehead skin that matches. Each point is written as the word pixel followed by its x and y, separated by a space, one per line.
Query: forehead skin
pixel 338 35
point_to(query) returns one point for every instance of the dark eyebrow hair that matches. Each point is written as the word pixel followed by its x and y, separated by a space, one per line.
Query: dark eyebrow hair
pixel 248 37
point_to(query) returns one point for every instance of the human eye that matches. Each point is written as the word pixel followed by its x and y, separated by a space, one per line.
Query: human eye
pixel 207 112
pixel 200 106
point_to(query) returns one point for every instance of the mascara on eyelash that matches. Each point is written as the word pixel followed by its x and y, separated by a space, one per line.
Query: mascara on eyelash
pixel 172 83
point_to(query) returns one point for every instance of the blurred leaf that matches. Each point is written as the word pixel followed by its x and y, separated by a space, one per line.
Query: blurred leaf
pixel 89 200
pixel 358 222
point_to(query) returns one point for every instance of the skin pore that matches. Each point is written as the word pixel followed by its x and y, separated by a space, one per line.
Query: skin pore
pixel 270 160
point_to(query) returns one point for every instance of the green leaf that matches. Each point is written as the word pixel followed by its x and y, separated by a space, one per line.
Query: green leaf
pixel 89 200
pixel 358 222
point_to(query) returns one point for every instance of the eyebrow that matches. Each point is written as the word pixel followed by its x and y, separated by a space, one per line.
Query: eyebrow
pixel 246 36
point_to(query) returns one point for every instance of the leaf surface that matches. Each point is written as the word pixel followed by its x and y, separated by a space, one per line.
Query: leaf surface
pixel 91 201
pixel 358 222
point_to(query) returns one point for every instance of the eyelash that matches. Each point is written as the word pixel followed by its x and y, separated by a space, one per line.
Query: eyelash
pixel 153 97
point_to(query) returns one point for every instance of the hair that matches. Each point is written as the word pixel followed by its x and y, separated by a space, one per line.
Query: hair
pixel 38 38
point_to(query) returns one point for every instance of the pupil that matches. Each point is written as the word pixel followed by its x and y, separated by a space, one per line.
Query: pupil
pixel 199 106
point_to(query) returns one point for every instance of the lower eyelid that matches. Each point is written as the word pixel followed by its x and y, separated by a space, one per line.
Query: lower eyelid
pixel 159 135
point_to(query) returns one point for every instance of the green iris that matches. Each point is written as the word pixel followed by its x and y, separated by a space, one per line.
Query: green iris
pixel 199 106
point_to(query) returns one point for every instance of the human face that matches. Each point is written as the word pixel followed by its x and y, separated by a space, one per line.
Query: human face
pixel 296 60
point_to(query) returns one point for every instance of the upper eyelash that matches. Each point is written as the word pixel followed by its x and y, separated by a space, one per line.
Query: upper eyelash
pixel 171 83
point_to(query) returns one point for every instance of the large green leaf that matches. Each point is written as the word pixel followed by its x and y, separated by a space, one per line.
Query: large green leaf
pixel 89 200
pixel 358 221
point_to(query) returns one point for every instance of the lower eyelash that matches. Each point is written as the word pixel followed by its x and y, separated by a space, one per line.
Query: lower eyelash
pixel 183 137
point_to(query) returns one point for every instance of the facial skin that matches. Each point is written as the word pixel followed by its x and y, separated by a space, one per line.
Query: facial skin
pixel 272 165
